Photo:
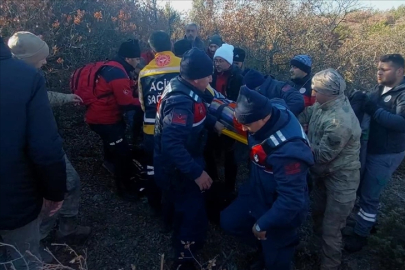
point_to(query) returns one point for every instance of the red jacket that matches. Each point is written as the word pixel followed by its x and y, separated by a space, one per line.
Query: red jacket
pixel 116 86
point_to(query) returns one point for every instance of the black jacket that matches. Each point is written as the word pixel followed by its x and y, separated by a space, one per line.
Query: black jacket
pixel 303 86
pixel 387 125
pixel 272 88
pixel 32 164
pixel 233 84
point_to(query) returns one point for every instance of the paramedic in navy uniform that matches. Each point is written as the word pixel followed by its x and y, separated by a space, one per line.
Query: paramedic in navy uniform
pixel 274 203
pixel 180 134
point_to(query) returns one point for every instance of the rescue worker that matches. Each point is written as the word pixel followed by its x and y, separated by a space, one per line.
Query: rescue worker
pixel 180 134
pixel 386 143
pixel 152 81
pixel 33 50
pixel 272 88
pixel 334 133
pixel 105 116
pixel 274 203
pixel 227 80
pixel 300 71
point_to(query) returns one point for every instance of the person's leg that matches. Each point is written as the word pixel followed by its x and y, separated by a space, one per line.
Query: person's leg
pixel 318 206
pixel 153 192
pixel 378 172
pixel 210 158
pixel 230 165
pixel 24 239
pixel 191 221
pixel 275 257
pixel 114 137
pixel 68 227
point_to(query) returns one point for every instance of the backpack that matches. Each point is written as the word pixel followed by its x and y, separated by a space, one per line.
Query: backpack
pixel 83 81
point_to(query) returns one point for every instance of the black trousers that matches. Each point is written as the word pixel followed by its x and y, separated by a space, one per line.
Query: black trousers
pixel 216 145
pixel 116 151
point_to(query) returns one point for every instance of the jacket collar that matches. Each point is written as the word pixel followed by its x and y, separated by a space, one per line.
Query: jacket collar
pixel 337 102
pixel 5 52
pixel 197 91
pixel 128 68
pixel 276 121
pixel 302 81
pixel 399 87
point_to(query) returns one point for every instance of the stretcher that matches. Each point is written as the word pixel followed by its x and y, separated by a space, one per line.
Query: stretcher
pixel 224 109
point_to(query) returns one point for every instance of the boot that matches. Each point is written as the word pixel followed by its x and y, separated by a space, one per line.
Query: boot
pixel 70 232
pixel 126 193
pixel 109 167
pixel 355 243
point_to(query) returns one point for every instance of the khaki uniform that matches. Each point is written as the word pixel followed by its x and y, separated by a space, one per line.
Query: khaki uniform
pixel 334 133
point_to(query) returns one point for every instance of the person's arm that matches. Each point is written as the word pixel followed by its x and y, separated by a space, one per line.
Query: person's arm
pixel 58 99
pixel 306 115
pixel 334 139
pixel 177 126
pixel 44 145
pixel 293 98
pixel 120 85
pixel 290 176
pixel 392 121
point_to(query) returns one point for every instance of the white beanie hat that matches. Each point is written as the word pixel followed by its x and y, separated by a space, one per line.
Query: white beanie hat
pixel 28 47
pixel 226 52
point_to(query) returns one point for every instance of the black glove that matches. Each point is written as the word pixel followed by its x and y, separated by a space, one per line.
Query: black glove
pixel 370 107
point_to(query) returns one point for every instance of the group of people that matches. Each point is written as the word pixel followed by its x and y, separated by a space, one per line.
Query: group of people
pixel 302 133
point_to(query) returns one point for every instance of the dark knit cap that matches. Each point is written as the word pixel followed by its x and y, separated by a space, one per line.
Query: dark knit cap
pixel 253 79
pixel 181 47
pixel 130 49
pixel 216 39
pixel 302 62
pixel 196 64
pixel 251 106
pixel 239 55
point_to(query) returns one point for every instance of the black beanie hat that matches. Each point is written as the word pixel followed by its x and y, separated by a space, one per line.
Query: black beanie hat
pixel 253 79
pixel 181 47
pixel 130 49
pixel 216 39
pixel 251 106
pixel 239 55
pixel 196 64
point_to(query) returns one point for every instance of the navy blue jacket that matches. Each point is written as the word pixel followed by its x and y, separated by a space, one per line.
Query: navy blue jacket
pixel 180 134
pixel 272 88
pixel 387 125
pixel 281 158
pixel 32 164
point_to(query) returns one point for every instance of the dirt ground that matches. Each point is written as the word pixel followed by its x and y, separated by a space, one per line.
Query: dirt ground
pixel 126 234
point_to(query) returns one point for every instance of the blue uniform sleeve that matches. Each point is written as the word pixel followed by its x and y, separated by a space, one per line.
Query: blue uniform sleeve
pixel 293 98
pixel 177 126
pixel 390 120
pixel 291 187
pixel 210 121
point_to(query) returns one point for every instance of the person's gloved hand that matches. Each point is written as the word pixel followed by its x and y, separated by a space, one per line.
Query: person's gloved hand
pixel 370 107
pixel 75 99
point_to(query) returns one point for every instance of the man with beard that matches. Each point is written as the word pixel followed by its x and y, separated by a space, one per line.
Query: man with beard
pixel 192 35
pixel 301 77
pixel 386 143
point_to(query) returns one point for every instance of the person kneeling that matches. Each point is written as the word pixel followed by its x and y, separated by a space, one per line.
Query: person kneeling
pixel 274 203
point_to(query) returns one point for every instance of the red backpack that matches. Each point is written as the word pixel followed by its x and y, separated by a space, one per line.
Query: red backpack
pixel 83 81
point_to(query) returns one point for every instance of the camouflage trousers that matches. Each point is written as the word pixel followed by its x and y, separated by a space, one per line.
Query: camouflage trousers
pixel 70 207
pixel 330 211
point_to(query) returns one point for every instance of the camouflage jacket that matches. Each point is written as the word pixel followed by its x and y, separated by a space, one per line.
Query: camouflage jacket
pixel 334 133
pixel 57 99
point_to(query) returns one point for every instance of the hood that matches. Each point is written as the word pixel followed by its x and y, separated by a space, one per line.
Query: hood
pixel 5 52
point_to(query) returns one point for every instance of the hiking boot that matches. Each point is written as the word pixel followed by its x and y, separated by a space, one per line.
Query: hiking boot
pixel 355 243
pixel 70 232
pixel 109 167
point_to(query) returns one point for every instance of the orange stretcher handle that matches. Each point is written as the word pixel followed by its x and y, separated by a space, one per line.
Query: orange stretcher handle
pixel 234 135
